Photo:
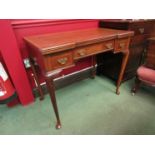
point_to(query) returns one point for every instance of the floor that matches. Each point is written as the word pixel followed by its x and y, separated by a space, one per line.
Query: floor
pixel 86 107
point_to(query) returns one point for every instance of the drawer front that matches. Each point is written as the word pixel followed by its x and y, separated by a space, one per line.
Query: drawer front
pixel 60 60
pixel 93 49
pixel 108 45
pixel 121 44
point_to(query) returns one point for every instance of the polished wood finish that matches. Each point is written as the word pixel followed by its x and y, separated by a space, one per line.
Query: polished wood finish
pixel 96 48
pixel 142 30
pixel 57 51
pixel 51 90
pixel 58 60
pixel 121 44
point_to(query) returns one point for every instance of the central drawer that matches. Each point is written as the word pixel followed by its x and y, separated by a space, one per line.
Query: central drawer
pixel 89 50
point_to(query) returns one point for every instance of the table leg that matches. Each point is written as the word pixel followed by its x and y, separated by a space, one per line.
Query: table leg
pixel 37 81
pixel 94 67
pixel 51 89
pixel 124 62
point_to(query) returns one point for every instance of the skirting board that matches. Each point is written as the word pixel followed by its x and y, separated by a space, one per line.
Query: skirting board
pixel 66 80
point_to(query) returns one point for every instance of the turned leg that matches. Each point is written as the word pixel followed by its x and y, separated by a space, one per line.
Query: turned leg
pixel 51 89
pixel 37 80
pixel 136 86
pixel 94 67
pixel 124 62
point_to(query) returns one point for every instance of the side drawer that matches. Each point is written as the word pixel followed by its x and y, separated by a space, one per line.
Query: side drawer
pixel 88 50
pixel 121 44
pixel 59 60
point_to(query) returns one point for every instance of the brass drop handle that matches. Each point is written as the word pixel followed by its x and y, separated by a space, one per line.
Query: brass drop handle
pixel 62 61
pixel 81 52
pixel 109 46
pixel 141 30
pixel 122 45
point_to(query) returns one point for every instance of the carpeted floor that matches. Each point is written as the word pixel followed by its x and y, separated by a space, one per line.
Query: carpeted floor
pixel 86 107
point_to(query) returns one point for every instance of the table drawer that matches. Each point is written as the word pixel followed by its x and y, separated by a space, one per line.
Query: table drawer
pixel 60 60
pixel 121 44
pixel 93 49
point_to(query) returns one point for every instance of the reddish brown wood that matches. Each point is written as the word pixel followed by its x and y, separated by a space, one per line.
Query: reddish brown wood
pixel 58 60
pixel 124 62
pixel 88 50
pixel 56 42
pixel 121 44
pixel 54 52
pixel 51 89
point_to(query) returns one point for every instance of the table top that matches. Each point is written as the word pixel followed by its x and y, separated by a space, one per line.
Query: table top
pixel 67 40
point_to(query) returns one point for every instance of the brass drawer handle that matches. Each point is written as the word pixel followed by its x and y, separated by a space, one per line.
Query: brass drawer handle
pixel 62 61
pixel 122 45
pixel 109 46
pixel 81 52
pixel 141 30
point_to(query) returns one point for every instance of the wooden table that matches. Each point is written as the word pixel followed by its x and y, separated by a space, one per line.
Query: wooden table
pixel 57 51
